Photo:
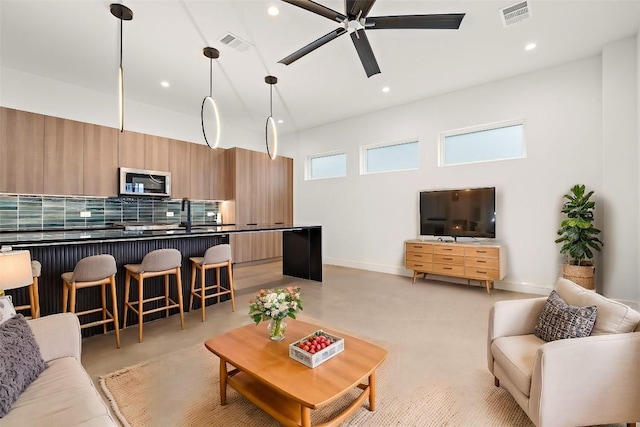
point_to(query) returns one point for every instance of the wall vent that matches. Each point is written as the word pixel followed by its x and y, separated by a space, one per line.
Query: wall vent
pixel 515 13
pixel 236 42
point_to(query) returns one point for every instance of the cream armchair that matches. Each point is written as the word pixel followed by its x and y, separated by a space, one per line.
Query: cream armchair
pixel 569 382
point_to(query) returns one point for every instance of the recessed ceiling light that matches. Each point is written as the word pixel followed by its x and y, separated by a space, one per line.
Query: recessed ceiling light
pixel 273 11
pixel 164 84
pixel 280 121
pixel 386 89
pixel 530 46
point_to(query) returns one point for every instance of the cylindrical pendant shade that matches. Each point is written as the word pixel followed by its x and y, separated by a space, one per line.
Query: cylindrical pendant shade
pixel 121 97
pixel 15 269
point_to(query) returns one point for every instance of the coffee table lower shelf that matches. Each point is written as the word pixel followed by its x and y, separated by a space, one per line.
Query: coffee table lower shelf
pixel 288 411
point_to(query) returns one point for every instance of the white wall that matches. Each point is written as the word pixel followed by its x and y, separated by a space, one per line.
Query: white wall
pixel 620 170
pixel 366 218
pixel 29 92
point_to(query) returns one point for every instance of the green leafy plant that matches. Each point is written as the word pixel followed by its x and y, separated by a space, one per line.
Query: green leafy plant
pixel 578 235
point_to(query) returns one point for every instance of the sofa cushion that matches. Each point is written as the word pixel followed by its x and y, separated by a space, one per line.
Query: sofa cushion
pixel 613 317
pixel 20 360
pixel 62 395
pixel 6 309
pixel 559 320
pixel 515 355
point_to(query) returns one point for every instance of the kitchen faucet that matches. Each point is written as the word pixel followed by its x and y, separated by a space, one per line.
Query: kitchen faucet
pixel 187 224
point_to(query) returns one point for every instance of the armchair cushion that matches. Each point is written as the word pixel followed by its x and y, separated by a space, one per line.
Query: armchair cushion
pixel 516 355
pixel 560 320
pixel 613 317
pixel 20 360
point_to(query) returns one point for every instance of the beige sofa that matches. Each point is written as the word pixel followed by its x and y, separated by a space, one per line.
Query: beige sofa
pixel 63 395
pixel 569 382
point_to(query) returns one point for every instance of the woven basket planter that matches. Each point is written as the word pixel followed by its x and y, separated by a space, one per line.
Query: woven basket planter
pixel 583 275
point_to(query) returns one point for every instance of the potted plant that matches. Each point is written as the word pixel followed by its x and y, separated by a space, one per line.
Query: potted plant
pixel 578 237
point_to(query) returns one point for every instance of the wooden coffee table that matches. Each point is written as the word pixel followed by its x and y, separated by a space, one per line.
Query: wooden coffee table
pixel 262 371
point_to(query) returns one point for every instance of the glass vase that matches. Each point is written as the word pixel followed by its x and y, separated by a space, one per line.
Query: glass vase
pixel 277 329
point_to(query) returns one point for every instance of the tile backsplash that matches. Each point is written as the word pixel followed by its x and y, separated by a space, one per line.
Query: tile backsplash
pixel 33 213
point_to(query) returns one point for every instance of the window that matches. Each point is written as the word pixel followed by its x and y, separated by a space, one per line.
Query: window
pixel 387 157
pixel 498 141
pixel 327 166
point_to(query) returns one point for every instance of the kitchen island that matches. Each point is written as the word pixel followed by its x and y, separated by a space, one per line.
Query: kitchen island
pixel 59 251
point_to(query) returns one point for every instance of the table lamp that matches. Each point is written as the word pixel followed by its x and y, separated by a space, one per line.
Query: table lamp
pixel 15 270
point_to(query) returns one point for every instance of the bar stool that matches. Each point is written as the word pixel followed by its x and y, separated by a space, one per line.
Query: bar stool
pixel 96 270
pixel 160 262
pixel 215 257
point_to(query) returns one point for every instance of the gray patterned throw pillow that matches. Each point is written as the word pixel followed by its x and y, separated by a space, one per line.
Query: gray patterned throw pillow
pixel 20 360
pixel 560 320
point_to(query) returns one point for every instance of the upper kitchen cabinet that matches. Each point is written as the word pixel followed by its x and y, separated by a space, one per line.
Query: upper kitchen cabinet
pixel 131 150
pixel 156 153
pixel 100 161
pixel 21 152
pixel 218 175
pixel 63 156
pixel 180 168
pixel 200 172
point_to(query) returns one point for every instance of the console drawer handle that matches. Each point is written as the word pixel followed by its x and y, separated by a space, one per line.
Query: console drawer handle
pixel 482 252
pixel 448 259
pixel 481 272
pixel 447 268
pixel 481 262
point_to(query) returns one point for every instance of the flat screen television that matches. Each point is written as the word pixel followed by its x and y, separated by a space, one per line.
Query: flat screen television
pixel 467 212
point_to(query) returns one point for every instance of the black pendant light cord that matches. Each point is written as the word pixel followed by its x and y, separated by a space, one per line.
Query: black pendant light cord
pixel 211 77
pixel 121 43
pixel 271 100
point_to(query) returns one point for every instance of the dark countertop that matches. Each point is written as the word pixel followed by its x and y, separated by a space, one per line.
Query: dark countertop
pixel 48 238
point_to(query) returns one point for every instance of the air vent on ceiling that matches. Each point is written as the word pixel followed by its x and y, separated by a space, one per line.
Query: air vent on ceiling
pixel 515 13
pixel 235 42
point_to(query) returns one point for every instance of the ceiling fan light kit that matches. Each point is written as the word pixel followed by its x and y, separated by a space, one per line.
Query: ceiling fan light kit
pixel 209 115
pixel 270 130
pixel 123 13
pixel 355 21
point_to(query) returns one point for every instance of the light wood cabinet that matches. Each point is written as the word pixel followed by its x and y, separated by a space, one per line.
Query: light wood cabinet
pixel 131 150
pixel 156 153
pixel 180 168
pixel 63 156
pixel 218 188
pixel 262 193
pixel 200 188
pixel 21 151
pixel 100 154
pixel 472 261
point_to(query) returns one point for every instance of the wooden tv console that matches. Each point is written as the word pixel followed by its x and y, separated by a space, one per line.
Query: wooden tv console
pixel 472 261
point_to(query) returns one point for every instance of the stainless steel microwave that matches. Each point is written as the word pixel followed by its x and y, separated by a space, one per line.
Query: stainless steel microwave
pixel 140 182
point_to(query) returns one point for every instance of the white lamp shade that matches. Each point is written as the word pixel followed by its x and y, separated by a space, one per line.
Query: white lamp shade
pixel 15 269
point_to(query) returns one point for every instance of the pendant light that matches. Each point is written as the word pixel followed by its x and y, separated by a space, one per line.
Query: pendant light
pixel 209 109
pixel 123 13
pixel 270 131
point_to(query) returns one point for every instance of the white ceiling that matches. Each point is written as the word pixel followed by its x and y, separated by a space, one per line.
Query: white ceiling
pixel 77 42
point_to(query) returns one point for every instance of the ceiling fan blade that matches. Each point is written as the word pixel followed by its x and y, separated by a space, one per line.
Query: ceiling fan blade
pixel 368 59
pixel 355 7
pixel 317 8
pixel 445 21
pixel 313 46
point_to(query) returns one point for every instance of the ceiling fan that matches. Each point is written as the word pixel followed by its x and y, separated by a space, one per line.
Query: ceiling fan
pixel 355 21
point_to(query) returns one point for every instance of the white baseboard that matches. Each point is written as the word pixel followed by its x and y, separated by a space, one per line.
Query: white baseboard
pixel 527 288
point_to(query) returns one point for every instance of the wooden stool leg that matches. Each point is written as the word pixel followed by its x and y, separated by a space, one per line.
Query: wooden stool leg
pixel 65 296
pixel 218 282
pixel 193 284
pixel 203 273
pixel 103 296
pixel 36 298
pixel 179 285
pixel 230 273
pixel 127 284
pixel 114 301
pixel 32 302
pixel 72 302
pixel 166 294
pixel 140 306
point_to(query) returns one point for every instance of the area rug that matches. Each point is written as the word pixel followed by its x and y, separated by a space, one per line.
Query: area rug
pixel 182 389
